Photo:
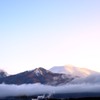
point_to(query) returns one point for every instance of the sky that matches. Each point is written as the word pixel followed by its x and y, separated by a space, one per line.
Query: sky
pixel 47 33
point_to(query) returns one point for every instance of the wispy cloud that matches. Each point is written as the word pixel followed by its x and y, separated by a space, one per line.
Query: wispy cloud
pixel 91 79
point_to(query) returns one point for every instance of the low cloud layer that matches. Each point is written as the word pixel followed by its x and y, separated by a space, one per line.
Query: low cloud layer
pixel 32 89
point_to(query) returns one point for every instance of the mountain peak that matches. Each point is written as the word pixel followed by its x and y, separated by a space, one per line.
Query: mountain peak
pixel 39 68
pixel 3 73
pixel 72 70
pixel 40 71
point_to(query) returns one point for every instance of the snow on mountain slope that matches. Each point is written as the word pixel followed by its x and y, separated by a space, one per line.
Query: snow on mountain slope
pixel 72 70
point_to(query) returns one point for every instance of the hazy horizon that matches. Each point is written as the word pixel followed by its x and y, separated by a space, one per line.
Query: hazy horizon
pixel 40 33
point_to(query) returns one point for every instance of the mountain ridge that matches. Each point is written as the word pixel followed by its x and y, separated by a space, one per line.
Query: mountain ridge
pixel 38 75
pixel 59 75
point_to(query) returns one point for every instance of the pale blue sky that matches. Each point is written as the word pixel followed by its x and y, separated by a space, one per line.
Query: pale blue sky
pixel 45 33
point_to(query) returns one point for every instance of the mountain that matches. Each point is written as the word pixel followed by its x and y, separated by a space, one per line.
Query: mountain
pixel 2 73
pixel 38 75
pixel 58 75
pixel 72 70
